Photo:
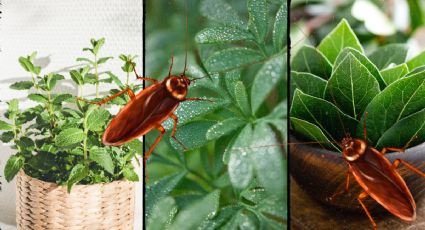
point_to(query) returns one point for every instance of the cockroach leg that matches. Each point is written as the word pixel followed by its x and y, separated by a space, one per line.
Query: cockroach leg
pixel 145 158
pixel 397 162
pixel 173 132
pixel 138 77
pixel 110 98
pixel 347 186
pixel 384 150
pixel 197 99
pixel 360 198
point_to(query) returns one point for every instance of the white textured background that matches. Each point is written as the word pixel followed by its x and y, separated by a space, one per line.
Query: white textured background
pixel 58 30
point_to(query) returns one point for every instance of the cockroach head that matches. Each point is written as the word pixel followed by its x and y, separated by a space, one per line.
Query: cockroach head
pixel 177 86
pixel 353 149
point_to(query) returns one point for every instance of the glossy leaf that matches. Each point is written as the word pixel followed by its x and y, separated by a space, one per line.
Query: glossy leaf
pixel 311 60
pixel 417 61
pixel 392 74
pixel 308 84
pixel 232 58
pixel 385 55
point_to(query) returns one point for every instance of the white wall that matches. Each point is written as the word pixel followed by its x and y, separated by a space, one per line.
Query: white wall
pixel 58 30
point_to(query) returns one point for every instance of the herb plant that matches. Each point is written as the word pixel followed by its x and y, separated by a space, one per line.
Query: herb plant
pixel 335 84
pixel 59 139
pixel 234 173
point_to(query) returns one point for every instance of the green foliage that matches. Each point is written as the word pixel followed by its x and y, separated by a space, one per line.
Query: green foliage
pixel 234 168
pixel 59 139
pixel 383 85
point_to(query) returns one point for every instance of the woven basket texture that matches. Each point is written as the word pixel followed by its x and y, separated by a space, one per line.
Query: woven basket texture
pixel 44 205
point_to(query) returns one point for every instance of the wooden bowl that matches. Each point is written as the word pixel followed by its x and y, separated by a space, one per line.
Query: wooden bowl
pixel 321 173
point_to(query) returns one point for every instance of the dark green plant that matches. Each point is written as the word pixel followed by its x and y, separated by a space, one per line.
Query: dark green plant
pixel 335 84
pixel 59 139
pixel 234 173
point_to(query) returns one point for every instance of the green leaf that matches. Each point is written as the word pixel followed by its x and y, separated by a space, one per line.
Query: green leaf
pixel 232 58
pixel 242 98
pixel 221 12
pixel 222 35
pixel 223 128
pixel 85 60
pixel 222 217
pixel 22 85
pixel 26 64
pixel 308 84
pixel 385 55
pixel 351 87
pixel 160 189
pixel 43 161
pixel 97 119
pixel 12 167
pixel 258 18
pixel 162 214
pixel 330 119
pixel 279 29
pixel 135 145
pixel 417 61
pixel 231 78
pixel 69 136
pixel 97 45
pixel 130 174
pixel 77 77
pixel 311 132
pixel 400 99
pixel 392 74
pixel 192 135
pixel 103 60
pixel 57 99
pixel 4 126
pixel 341 36
pixel 115 79
pixel 52 80
pixel 266 79
pixel 14 105
pixel 416 14
pixel 25 143
pixel 311 60
pixel 103 158
pixel 38 98
pixel 192 216
pixel 6 137
pixel 78 172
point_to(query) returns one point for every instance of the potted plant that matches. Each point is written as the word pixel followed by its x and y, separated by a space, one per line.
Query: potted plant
pixel 66 177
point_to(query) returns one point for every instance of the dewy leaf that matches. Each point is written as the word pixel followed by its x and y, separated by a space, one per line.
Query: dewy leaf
pixel 162 214
pixel 311 60
pixel 222 35
pixel 192 135
pixel 341 36
pixel 222 217
pixel 223 128
pixel 22 85
pixel 241 98
pixel 385 55
pixel 279 29
pixel 400 99
pixel 221 12
pixel 410 129
pixel 160 189
pixel 312 132
pixel 417 61
pixel 308 84
pixel 102 157
pixel 392 74
pixel 364 61
pixel 78 172
pixel 12 167
pixel 4 126
pixel 69 136
pixel 330 119
pixel 258 18
pixel 232 58
pixel 192 216
pixel 266 79
pixel 351 87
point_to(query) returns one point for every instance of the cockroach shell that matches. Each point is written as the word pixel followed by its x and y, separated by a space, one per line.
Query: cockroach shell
pixel 321 173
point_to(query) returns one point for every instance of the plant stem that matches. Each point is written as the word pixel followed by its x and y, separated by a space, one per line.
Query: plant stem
pixel 51 113
pixel 96 73
pixel 85 137
pixel 128 76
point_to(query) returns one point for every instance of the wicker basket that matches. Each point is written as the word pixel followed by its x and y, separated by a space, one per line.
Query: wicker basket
pixel 43 205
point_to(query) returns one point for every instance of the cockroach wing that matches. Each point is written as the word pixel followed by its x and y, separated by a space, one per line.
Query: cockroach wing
pixel 148 110
pixel 374 173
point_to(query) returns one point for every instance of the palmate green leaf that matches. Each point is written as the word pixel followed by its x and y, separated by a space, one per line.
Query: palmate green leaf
pixel 413 131
pixel 192 135
pixel 311 132
pixel 241 98
pixel 22 85
pixel 69 136
pixel 232 58
pixel 351 87
pixel 4 126
pixel 258 18
pixel 279 29
pixel 275 207
pixel 97 119
pixel 416 61
pixel 400 99
pixel 12 167
pixel 231 78
pixel 78 172
pixel 311 60
pixel 221 12
pixel 222 35
pixel 162 214
pixel 308 84
pixel 330 119
pixel 102 157
pixel 224 127
pixel 192 216
pixel 38 97
pixel 385 55
pixel 266 79
pixel 392 74
pixel 160 189
pixel 341 36
pixel 222 217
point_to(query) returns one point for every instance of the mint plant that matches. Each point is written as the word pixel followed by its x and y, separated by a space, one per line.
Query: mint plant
pixel 234 173
pixel 335 84
pixel 59 139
